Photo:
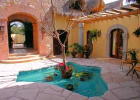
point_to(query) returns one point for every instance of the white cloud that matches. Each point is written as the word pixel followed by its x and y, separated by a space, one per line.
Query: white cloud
pixel 108 1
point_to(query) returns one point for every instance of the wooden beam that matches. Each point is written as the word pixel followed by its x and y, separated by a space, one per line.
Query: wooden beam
pixel 105 13
pixel 134 8
pixel 114 16
pixel 136 5
pixel 127 9
pixel 119 11
pixel 111 12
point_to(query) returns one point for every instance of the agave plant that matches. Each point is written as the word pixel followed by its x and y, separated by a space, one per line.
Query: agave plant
pixel 133 53
pixel 137 32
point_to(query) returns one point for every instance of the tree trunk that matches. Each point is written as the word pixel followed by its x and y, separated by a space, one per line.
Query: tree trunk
pixel 66 73
pixel 63 54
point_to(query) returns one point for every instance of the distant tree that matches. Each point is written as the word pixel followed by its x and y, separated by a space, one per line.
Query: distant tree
pixel 17 30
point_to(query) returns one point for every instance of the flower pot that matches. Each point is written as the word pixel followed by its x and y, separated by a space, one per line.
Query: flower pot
pixel 73 54
pixel 86 54
pixel 80 55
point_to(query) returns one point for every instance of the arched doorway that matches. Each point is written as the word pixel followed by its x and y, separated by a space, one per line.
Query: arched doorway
pixel 20 34
pixel 116 43
pixel 16 34
pixel 56 46
pixel 29 28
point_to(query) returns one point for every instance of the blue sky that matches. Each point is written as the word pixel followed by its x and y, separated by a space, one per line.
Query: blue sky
pixel 19 24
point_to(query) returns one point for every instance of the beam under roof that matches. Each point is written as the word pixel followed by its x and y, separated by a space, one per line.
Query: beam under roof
pixel 136 5
pixel 132 9
pixel 111 12
pixel 111 16
pixel 127 9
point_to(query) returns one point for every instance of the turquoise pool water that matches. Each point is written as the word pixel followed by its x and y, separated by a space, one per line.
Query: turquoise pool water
pixel 95 86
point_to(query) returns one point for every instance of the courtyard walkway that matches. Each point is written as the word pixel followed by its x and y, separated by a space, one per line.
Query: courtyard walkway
pixel 121 87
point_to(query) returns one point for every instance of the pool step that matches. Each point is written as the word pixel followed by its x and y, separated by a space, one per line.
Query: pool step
pixel 22 58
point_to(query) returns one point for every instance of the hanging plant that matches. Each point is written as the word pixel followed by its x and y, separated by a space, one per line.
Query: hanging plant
pixel 94 34
pixel 76 4
pixel 137 32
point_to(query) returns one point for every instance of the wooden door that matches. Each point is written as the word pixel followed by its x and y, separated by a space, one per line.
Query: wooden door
pixel 116 44
pixel 56 46
pixel 28 35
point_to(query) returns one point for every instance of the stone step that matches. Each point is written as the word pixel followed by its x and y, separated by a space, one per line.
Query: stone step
pixel 8 78
pixel 24 60
pixel 23 54
pixel 22 57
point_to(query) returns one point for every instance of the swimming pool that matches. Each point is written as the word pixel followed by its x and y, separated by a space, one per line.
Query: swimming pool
pixel 95 86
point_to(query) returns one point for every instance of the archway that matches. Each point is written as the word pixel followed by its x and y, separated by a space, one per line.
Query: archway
pixel 116 43
pixel 28 22
pixel 16 34
pixel 56 46
pixel 117 39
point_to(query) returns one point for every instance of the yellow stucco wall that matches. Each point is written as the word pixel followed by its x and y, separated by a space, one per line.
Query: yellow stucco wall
pixel 100 46
pixel 62 22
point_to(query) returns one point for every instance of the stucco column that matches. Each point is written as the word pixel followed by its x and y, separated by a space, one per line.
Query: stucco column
pixel 125 44
pixel 81 34
pixel 4 48
pixel 44 43
pixel 41 40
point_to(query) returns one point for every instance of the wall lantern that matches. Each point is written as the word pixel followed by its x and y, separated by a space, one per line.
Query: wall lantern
pixel 1 27
pixel 2 30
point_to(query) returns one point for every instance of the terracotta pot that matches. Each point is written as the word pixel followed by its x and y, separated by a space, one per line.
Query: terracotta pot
pixel 80 55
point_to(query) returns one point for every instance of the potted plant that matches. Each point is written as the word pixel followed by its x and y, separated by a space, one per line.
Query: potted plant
pixel 86 51
pixel 137 32
pixel 73 53
pixel 92 36
pixel 133 54
pixel 80 51
pixel 77 50
pixel 68 70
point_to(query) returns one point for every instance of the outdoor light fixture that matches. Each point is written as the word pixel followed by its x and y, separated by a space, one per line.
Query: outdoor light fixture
pixel 1 30
pixel 1 27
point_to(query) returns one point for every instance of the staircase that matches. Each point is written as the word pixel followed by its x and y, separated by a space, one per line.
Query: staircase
pixel 22 58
